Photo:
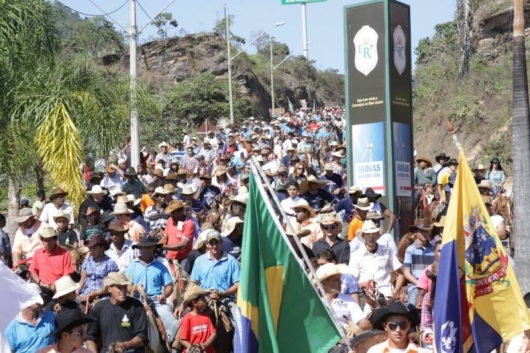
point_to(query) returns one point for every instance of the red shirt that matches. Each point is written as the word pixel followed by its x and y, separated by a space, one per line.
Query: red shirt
pixel 51 266
pixel 197 329
pixel 175 232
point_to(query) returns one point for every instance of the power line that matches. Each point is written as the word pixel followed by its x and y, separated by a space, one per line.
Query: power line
pixel 138 2
pixel 92 15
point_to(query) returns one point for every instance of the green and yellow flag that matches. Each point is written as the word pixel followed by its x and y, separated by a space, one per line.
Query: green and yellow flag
pixel 291 106
pixel 280 310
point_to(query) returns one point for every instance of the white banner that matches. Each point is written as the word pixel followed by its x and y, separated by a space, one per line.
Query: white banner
pixel 403 187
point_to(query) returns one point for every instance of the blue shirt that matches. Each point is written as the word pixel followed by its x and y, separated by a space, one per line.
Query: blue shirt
pixel 211 274
pixel 232 247
pixel 318 200
pixel 417 258
pixel 345 204
pixel 95 272
pixel 154 277
pixel 25 338
pixel 334 182
pixel 349 284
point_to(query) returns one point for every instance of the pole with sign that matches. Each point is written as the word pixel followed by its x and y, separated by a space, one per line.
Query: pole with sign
pixel 304 20
pixel 379 103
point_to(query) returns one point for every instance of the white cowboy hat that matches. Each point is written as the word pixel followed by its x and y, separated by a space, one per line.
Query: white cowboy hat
pixel 47 232
pixel 327 270
pixel 163 144
pixel 311 179
pixel 201 239
pixel 298 230
pixel 97 190
pixel 121 208
pixel 368 227
pixel 305 205
pixel 241 198
pixel 63 286
pixel 338 154
pixel 231 224
pixel 188 190
pixel 133 199
pixel 364 204
pixel 159 191
pixel 61 214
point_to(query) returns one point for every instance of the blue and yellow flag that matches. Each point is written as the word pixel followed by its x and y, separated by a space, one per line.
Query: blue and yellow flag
pixel 478 302
pixel 280 310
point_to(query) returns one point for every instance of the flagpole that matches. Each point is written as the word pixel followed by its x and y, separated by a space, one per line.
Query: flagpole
pixel 451 128
pixel 338 325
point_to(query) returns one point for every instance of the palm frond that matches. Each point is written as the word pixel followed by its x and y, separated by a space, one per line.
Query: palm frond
pixel 59 144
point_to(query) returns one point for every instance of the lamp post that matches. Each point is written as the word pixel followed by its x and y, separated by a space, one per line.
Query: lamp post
pixel 305 45
pixel 230 58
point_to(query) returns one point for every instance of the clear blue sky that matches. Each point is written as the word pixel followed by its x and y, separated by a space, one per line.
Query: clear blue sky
pixel 324 20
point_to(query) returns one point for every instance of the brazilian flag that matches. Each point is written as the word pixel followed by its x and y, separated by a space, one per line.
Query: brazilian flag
pixel 291 106
pixel 280 311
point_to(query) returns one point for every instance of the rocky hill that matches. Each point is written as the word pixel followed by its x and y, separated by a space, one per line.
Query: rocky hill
pixel 481 104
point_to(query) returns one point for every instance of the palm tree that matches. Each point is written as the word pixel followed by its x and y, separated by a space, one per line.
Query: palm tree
pixel 521 150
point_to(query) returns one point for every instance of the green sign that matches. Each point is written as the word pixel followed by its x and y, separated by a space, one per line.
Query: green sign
pixel 293 2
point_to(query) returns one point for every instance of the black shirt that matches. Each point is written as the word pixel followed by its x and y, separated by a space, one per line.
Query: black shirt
pixel 104 205
pixel 340 248
pixel 68 234
pixel 118 323
pixel 67 305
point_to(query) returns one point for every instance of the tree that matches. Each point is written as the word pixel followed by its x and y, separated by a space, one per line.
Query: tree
pixel 220 29
pixel 162 21
pixel 465 23
pixel 521 149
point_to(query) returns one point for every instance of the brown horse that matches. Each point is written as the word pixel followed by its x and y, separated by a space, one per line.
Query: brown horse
pixel 404 243
pixel 426 198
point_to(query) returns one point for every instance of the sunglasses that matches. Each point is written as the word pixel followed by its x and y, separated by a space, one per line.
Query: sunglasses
pixel 300 168
pixel 329 227
pixel 283 175
pixel 394 325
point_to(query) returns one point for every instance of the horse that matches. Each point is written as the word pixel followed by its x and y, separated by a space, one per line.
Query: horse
pixel 426 198
pixel 155 327
pixel 403 244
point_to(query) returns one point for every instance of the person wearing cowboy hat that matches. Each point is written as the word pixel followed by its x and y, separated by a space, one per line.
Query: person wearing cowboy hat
pixel 221 181
pixel 478 173
pixel 189 162
pixel 381 208
pixel 65 235
pixel 304 216
pixel 442 160
pixel 133 185
pixel 198 249
pixel 418 256
pixel 233 237
pixel 346 206
pixel 164 155
pixel 123 215
pixel 27 236
pixel 97 198
pixel 96 266
pixel 50 262
pixel 156 279
pixel 179 232
pixel 197 332
pixel 155 215
pixel 207 152
pixel 386 239
pixel 51 209
pixel 397 320
pixel 374 262
pixel 496 175
pixel 6 251
pixel 334 181
pixel 206 192
pixel 331 228
pixel 447 181
pixel 359 216
pixel 64 297
pixel 137 215
pixel 120 249
pixel 120 319
pixel 349 284
pixel 312 190
pixel 69 333
pixel 346 309
pixel 424 176
pixel 112 180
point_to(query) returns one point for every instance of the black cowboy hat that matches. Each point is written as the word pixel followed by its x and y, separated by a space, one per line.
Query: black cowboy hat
pixel 146 241
pixel 442 156
pixel 495 160
pixel 106 217
pixel 130 172
pixel 452 161
pixel 396 308
pixel 68 319
pixel 371 194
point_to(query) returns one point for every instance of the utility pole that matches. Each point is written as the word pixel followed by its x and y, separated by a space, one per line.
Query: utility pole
pixel 272 77
pixel 227 20
pixel 304 31
pixel 133 36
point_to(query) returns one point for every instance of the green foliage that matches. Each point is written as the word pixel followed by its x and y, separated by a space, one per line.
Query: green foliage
pixel 162 22
pixel 466 109
pixel 444 42
pixel 220 29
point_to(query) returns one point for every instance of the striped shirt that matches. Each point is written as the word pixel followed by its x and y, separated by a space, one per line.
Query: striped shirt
pixel 418 258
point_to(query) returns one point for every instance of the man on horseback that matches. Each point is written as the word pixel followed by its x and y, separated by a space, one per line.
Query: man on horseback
pixel 424 176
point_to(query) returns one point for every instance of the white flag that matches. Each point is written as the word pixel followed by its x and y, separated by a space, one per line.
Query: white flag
pixel 14 296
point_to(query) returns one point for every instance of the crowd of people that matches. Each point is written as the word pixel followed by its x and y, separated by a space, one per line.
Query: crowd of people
pixel 176 222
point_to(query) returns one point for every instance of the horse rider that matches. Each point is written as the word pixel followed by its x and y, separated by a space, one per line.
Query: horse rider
pixel 424 176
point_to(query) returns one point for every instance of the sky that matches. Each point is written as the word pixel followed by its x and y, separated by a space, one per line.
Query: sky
pixel 325 25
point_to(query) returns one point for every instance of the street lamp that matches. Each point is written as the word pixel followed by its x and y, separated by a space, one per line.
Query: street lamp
pixel 230 58
pixel 275 67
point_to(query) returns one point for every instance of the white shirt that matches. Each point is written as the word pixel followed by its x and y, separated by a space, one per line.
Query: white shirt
pixel 377 267
pixel 344 306
pixel 112 184
pixel 50 210
pixel 186 140
pixel 287 205
pixel 125 256
pixel 385 239
pixel 441 173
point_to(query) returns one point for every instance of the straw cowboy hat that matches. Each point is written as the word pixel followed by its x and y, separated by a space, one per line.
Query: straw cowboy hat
pixel 421 223
pixel 188 190
pixel 169 189
pixel 56 192
pixel 158 173
pixel 327 270
pixel 304 185
pixel 47 232
pixel 368 227
pixel 201 239
pixel 363 204
pixel 163 144
pixel 133 199
pixel 63 286
pixel 97 190
pixel 374 214
pixel 424 159
pixel 441 223
pixel 304 205
pixel 354 189
pixel 241 198
pixel 174 205
pixel 330 218
pixel 193 292
pixel 486 184
pixel 66 320
pixel 220 171
pixel 116 227
pixel 159 191
pixel 395 308
pixel 172 175
pixel 24 215
pixel 61 214
pixel 121 208
pixel 298 230
pixel 98 239
pixel 116 279
pixel 231 224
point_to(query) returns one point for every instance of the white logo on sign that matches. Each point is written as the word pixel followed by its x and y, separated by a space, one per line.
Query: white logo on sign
pixel 448 337
pixel 365 42
pixel 400 55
